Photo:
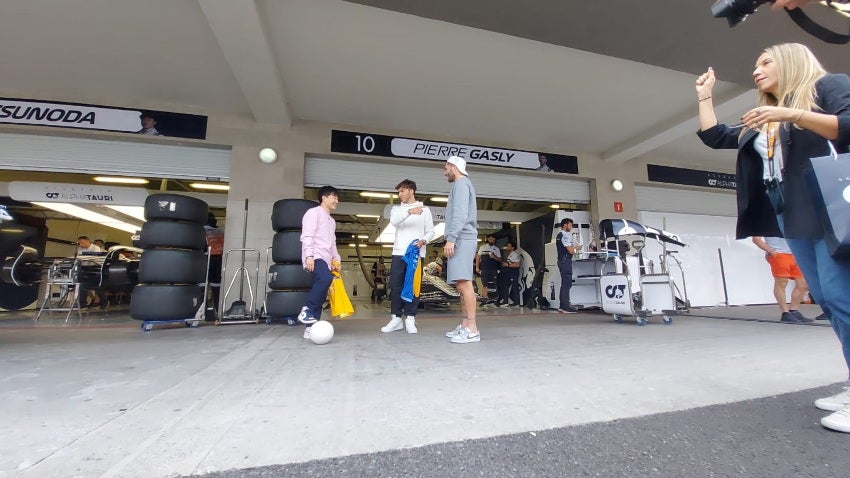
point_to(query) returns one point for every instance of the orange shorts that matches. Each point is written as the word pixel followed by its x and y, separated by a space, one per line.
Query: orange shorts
pixel 784 265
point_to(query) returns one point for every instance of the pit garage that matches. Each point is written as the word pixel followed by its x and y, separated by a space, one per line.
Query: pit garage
pixel 56 189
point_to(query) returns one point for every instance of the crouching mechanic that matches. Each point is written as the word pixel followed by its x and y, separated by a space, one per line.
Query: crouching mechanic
pixel 319 254
pixel 413 222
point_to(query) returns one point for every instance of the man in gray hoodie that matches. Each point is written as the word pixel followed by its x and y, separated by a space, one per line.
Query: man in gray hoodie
pixel 461 244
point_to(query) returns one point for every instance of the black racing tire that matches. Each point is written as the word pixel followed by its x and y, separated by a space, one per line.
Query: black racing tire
pixel 289 277
pixel 286 247
pixel 173 266
pixel 173 234
pixel 165 302
pixel 287 213
pixel 285 303
pixel 89 275
pixel 175 207
pixel 21 270
pixel 120 273
pixel 13 297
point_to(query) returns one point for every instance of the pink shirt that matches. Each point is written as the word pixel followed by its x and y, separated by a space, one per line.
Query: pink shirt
pixel 318 236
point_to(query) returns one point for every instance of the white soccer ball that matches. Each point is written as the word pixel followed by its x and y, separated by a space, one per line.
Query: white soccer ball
pixel 321 332
pixel 268 155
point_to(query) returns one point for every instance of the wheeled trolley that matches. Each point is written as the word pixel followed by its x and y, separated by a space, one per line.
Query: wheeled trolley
pixel 62 291
pixel 634 290
pixel 240 312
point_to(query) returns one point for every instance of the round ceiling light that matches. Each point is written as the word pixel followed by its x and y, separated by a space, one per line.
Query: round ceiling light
pixel 617 185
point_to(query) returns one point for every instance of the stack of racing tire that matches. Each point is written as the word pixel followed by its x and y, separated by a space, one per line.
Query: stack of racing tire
pixel 288 282
pixel 173 266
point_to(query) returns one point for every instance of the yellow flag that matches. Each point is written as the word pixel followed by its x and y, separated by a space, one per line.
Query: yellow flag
pixel 417 279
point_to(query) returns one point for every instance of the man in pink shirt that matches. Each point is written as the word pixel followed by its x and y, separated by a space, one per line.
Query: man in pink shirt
pixel 318 253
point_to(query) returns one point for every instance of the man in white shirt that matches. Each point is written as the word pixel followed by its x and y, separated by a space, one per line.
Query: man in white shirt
pixel 89 297
pixel 509 277
pixel 85 246
pixel 544 164
pixel 487 264
pixel 413 222
pixel 148 125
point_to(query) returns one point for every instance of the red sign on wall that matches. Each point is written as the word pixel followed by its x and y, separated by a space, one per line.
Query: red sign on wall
pixel 618 207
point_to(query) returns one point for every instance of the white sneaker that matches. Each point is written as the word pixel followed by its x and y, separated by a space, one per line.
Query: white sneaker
pixel 393 325
pixel 307 332
pixel 838 421
pixel 456 331
pixel 410 324
pixel 466 336
pixel 835 402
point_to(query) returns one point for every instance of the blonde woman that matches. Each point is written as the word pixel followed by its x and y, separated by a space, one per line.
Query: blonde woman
pixel 800 107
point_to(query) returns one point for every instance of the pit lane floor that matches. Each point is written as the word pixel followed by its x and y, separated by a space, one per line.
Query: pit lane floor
pixel 103 398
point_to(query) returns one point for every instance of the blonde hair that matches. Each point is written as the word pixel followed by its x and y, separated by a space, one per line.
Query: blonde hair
pixel 798 70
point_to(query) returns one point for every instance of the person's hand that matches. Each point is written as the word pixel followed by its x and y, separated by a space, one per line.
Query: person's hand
pixel 789 4
pixel 336 266
pixel 420 243
pixel 705 83
pixel 449 249
pixel 309 264
pixel 759 116
pixel 478 270
pixel 415 210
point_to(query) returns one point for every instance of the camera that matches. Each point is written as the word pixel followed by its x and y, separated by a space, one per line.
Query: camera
pixel 736 11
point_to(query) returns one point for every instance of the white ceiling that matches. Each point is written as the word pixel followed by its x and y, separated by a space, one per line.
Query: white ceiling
pixel 281 61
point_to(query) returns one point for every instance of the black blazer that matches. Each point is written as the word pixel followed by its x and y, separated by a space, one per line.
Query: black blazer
pixel 755 213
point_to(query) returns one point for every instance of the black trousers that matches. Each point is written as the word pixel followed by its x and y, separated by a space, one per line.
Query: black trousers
pixel 566 271
pixel 490 280
pixel 397 305
pixel 509 285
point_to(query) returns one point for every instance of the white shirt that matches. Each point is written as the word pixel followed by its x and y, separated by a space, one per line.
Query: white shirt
pixel 778 244
pixel 410 227
pixel 486 249
pixel 92 248
pixel 486 262
pixel 760 145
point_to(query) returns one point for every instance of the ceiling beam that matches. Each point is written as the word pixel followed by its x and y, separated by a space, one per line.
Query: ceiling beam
pixel 653 139
pixel 240 34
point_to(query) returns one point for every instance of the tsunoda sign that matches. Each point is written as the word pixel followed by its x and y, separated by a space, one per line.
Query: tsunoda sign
pixel 102 118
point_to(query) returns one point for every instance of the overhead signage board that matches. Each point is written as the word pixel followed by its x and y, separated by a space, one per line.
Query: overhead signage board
pixel 350 142
pixel 102 118
pixel 690 177
pixel 28 191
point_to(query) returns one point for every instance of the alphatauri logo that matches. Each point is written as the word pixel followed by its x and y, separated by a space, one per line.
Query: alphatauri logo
pixel 615 291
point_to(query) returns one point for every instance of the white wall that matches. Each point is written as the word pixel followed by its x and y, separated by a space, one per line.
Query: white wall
pixel 748 278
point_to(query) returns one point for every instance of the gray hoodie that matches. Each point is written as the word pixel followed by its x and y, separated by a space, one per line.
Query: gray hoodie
pixel 461 211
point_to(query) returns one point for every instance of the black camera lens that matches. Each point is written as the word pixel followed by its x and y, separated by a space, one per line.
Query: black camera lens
pixel 736 11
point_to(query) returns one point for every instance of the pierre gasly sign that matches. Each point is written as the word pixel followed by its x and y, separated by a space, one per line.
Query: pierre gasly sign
pixel 102 118
pixel 391 146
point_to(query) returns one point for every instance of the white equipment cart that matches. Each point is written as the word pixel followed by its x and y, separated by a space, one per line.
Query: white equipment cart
pixel 632 288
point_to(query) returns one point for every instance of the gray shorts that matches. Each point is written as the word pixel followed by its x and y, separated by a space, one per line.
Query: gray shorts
pixel 460 265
